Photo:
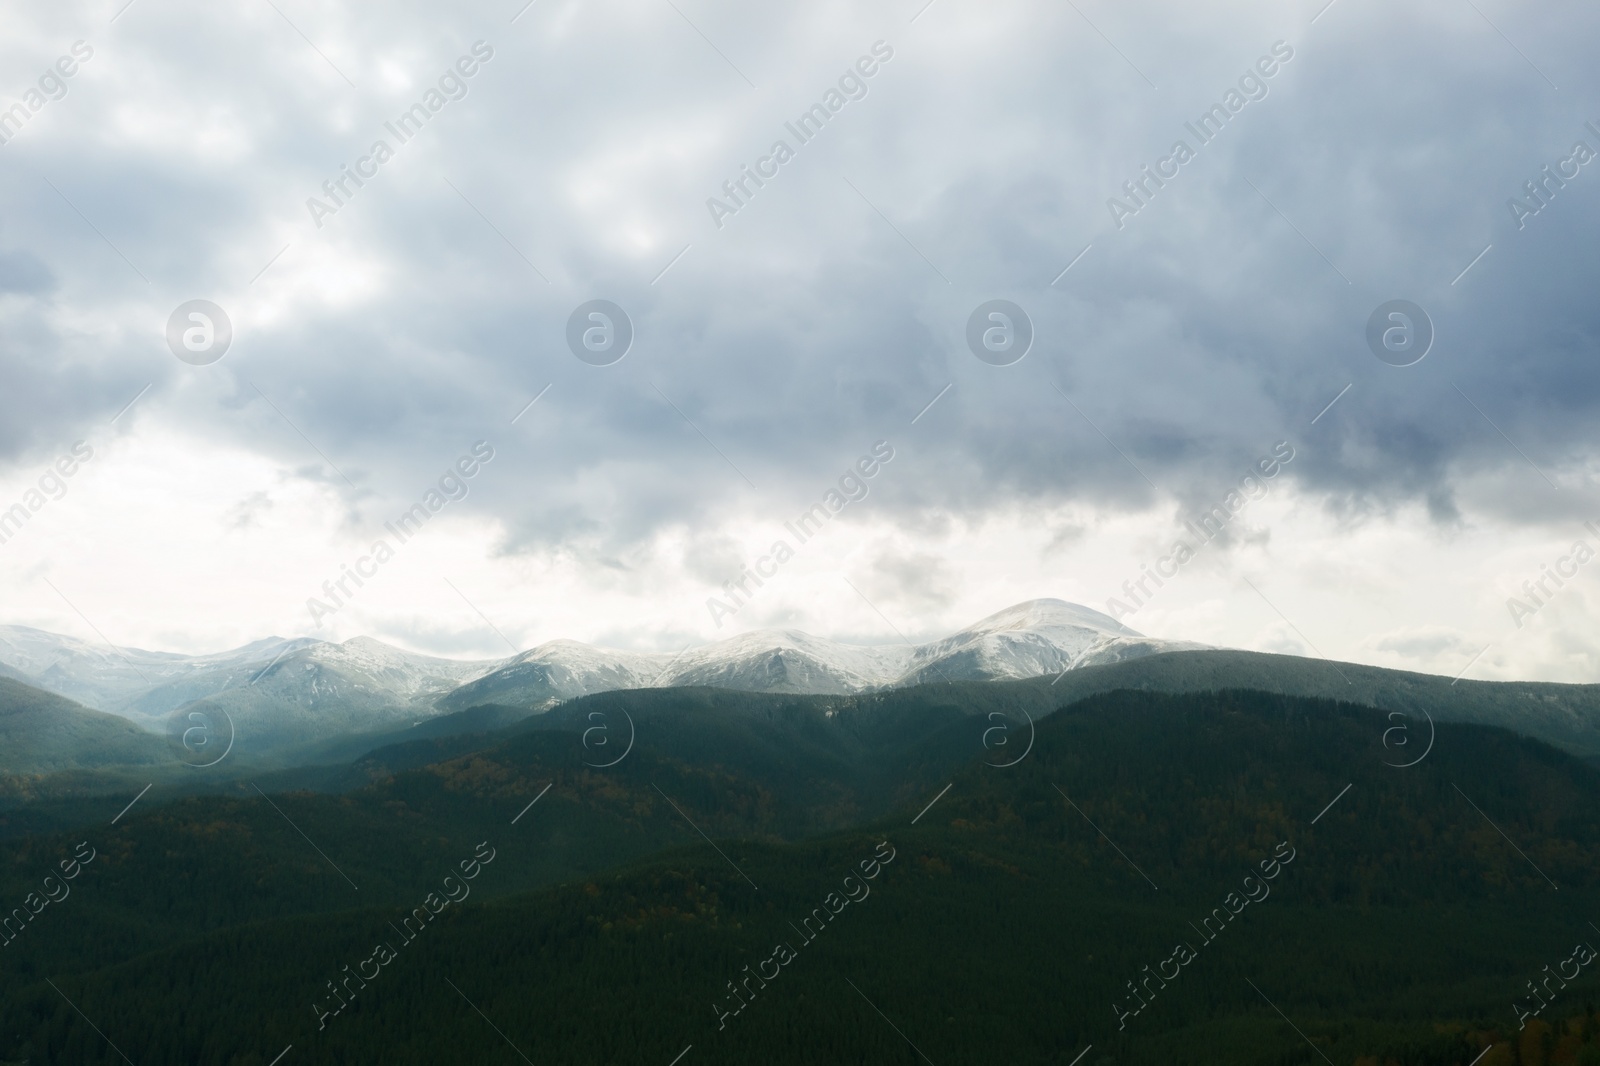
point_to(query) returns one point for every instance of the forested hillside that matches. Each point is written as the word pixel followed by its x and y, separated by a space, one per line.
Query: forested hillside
pixel 1029 912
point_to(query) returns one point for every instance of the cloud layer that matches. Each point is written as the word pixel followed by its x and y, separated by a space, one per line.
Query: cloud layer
pixel 1182 326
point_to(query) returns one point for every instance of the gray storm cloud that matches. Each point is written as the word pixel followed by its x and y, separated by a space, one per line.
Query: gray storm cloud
pixel 1186 338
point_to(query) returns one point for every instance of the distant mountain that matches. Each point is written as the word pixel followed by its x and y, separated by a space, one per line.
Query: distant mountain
pixel 282 693
pixel 122 680
pixel 302 672
pixel 1029 639
pixel 324 690
pixel 302 700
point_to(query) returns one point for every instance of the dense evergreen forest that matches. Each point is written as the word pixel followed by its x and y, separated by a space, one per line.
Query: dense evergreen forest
pixel 1221 878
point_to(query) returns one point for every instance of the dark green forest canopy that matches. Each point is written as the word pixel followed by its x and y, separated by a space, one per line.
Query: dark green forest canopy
pixel 1017 909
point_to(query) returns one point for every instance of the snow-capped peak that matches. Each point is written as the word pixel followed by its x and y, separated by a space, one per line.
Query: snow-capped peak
pixel 365 679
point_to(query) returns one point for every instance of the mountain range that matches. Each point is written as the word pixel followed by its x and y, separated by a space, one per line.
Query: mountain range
pixel 282 692
pixel 998 763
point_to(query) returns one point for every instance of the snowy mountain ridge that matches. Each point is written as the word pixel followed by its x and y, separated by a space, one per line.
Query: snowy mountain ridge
pixel 305 687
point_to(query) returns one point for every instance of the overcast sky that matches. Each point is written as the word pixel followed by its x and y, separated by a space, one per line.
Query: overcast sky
pixel 1179 335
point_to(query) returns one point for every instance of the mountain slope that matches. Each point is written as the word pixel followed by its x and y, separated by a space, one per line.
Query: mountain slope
pixel 1001 925
pixel 1567 716
pixel 770 766
pixel 555 670
pixel 41 732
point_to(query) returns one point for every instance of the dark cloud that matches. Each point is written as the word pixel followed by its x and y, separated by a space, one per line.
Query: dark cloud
pixel 824 316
